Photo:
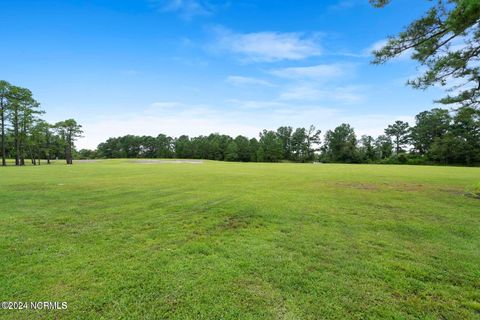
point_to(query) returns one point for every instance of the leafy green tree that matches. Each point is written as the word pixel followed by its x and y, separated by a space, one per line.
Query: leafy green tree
pixel 304 144
pixel 271 146
pixel 383 146
pixel 429 126
pixel 86 154
pixel 446 41
pixel 400 132
pixel 312 142
pixel 69 130
pixel 231 154
pixel 466 128
pixel 446 149
pixel 182 147
pixel 254 145
pixel 20 99
pixel 367 149
pixel 285 136
pixel 341 145
pixel 299 145
pixel 243 146
pixel 37 141
pixel 215 147
pixel 164 146
pixel 260 154
pixel 29 135
pixel 49 140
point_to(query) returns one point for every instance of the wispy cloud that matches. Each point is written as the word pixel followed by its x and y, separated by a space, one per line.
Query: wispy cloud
pixel 347 4
pixel 256 104
pixel 248 81
pixel 317 72
pixel 187 9
pixel 368 51
pixel 177 118
pixel 343 95
pixel 377 45
pixel 267 46
pixel 343 5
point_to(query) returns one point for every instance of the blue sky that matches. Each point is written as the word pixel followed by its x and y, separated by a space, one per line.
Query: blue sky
pixel 201 66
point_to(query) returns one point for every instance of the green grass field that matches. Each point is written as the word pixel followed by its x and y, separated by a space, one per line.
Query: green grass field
pixel 117 239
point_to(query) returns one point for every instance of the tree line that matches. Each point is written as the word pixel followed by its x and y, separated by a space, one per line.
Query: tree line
pixel 25 135
pixel 439 136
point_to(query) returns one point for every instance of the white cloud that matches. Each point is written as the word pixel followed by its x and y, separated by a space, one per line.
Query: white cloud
pixel 171 118
pixel 376 46
pixel 176 118
pixel 248 81
pixel 267 46
pixel 185 8
pixel 256 104
pixel 343 95
pixel 318 72
pixel 164 105
pixel 343 5
pixel 373 124
pixel 380 44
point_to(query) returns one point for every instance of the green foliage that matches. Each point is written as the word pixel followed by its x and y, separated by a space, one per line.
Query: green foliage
pixel 341 145
pixel 400 133
pixel 446 40
pixel 24 134
pixel 271 146
pixel 231 154
pixel 430 126
pixel 438 137
pixel 383 147
pixel 243 148
pixel 367 150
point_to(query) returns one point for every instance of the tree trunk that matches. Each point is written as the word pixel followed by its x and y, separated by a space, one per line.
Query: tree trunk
pixel 2 110
pixel 68 153
pixel 47 151
pixel 16 137
pixel 23 134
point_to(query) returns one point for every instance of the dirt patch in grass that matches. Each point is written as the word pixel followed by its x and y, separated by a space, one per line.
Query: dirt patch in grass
pixel 235 222
pixel 361 186
pixel 405 187
pixel 455 192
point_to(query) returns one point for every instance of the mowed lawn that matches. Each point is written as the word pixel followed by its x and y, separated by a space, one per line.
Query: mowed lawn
pixel 117 239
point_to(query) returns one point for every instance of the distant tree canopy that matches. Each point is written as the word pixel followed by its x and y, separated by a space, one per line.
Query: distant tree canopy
pixel 438 136
pixel 24 135
pixel 446 41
